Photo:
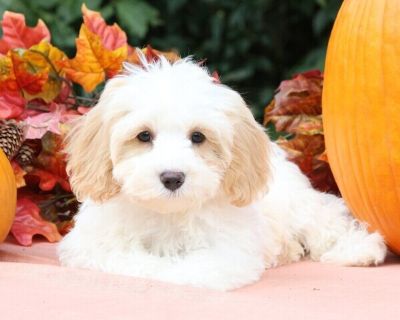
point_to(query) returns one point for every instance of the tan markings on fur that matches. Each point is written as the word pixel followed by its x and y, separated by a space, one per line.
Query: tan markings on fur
pixel 213 151
pixel 88 153
pixel 248 172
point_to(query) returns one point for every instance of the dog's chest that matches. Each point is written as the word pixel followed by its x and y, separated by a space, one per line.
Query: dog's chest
pixel 175 236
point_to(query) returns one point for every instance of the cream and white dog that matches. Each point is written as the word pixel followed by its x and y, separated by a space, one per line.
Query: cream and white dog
pixel 180 184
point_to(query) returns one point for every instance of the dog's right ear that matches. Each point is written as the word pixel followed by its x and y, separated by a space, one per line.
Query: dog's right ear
pixel 88 152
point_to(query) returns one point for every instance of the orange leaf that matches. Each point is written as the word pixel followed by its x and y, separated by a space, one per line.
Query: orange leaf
pixel 38 70
pixel 19 174
pixel 101 49
pixel 112 37
pixel 151 55
pixel 17 35
pixel 30 80
pixel 28 223
pixel 8 81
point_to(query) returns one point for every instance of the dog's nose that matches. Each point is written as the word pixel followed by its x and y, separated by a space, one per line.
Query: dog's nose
pixel 172 180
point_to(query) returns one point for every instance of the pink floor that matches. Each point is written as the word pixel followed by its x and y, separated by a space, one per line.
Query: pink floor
pixel 33 286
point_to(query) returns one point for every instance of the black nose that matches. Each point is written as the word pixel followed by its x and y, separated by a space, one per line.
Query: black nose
pixel 172 180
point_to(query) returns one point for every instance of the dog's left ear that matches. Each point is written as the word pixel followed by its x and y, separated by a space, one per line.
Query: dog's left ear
pixel 247 175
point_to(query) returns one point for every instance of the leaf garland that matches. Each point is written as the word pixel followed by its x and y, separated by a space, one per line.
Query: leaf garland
pixel 36 90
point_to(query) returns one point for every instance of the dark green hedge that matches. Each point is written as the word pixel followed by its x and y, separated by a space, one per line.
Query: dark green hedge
pixel 252 43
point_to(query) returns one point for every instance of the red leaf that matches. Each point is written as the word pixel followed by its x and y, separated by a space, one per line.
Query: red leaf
pixel 47 180
pixel 27 78
pixel 150 54
pixel 300 95
pixel 112 37
pixel 12 104
pixel 50 164
pixel 28 223
pixel 17 35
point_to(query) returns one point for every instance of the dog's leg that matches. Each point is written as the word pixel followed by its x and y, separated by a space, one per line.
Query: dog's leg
pixel 320 222
pixel 333 235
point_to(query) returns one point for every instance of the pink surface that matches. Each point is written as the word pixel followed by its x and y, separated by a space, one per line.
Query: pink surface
pixel 33 286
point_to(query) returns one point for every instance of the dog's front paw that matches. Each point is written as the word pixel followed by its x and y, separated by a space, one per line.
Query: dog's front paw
pixel 366 250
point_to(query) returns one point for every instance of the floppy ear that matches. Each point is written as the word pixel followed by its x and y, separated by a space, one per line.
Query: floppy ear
pixel 247 175
pixel 88 154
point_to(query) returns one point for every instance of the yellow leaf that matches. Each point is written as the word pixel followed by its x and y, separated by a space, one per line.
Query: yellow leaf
pixel 101 49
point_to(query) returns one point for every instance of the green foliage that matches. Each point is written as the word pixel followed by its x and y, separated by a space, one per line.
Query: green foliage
pixel 253 44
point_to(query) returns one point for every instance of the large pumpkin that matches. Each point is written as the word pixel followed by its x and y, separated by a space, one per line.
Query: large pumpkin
pixel 8 196
pixel 361 112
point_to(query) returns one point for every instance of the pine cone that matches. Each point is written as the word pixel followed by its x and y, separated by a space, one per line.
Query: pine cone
pixel 11 138
pixel 25 154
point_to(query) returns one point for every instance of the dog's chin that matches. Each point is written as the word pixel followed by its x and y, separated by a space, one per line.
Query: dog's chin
pixel 168 205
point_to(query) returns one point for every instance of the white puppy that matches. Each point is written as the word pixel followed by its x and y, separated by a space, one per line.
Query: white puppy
pixel 180 184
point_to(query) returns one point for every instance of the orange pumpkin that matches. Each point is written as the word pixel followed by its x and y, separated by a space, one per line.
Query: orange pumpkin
pixel 8 196
pixel 361 112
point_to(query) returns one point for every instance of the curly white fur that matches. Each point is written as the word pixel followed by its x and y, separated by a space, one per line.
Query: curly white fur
pixel 243 207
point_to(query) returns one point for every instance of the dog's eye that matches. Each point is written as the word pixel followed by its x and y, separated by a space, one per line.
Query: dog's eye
pixel 197 137
pixel 144 136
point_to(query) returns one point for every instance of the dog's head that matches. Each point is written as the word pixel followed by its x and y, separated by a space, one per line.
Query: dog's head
pixel 170 138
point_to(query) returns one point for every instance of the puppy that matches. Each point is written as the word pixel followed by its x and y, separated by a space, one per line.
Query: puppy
pixel 180 184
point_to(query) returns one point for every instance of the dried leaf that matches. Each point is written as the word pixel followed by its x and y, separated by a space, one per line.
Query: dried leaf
pixel 28 223
pixel 300 95
pixel 19 174
pixel 296 109
pixel 50 165
pixel 38 71
pixel 17 35
pixel 12 104
pixel 298 124
pixel 306 151
pixel 8 82
pixel 150 55
pixel 101 49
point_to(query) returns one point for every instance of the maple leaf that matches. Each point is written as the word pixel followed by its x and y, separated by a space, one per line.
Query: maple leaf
pixel 305 151
pixel 50 165
pixel 38 70
pixel 38 125
pixel 298 124
pixel 17 35
pixel 8 81
pixel 28 223
pixel 296 109
pixel 101 49
pixel 300 95
pixel 150 54
pixel 19 174
pixel 12 104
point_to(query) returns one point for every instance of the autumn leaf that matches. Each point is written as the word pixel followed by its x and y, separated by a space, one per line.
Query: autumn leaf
pixel 28 223
pixel 298 124
pixel 305 151
pixel 17 35
pixel 38 71
pixel 8 82
pixel 150 54
pixel 19 174
pixel 101 49
pixel 50 165
pixel 296 110
pixel 300 95
pixel 12 104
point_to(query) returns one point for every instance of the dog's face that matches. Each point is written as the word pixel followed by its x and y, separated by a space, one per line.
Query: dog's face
pixel 170 139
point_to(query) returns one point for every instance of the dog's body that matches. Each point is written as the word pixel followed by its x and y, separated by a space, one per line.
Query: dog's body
pixel 180 184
